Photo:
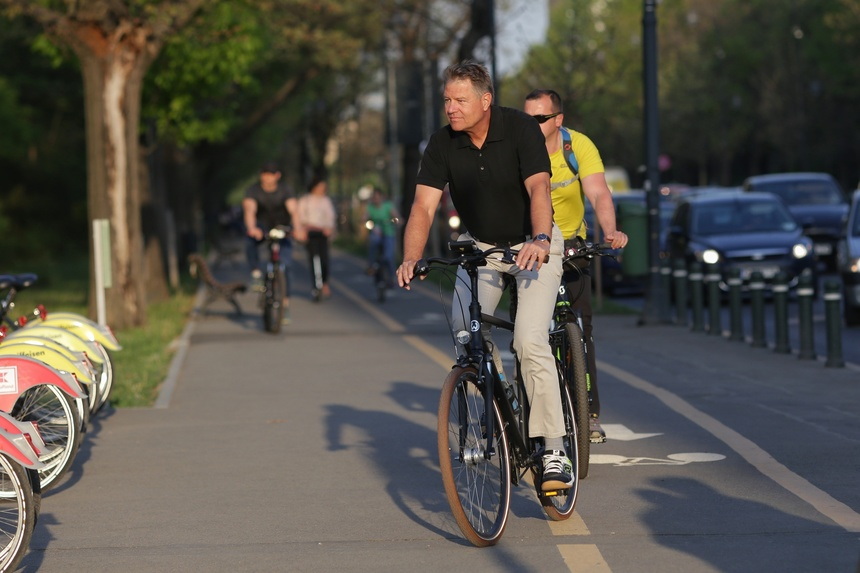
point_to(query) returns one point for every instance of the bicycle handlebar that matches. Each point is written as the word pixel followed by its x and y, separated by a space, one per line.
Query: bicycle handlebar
pixel 469 254
pixel 588 251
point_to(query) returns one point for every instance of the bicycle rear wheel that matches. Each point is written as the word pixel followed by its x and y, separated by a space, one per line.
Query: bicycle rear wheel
pixel 17 513
pixel 575 374
pixel 59 425
pixel 478 486
pixel 559 505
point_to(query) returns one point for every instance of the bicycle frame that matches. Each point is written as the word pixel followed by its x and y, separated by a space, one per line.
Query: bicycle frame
pixel 478 355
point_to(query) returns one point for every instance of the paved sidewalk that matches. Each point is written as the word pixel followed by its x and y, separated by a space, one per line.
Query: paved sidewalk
pixel 313 450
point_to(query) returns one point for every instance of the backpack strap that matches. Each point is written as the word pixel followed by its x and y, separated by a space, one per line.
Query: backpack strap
pixel 567 148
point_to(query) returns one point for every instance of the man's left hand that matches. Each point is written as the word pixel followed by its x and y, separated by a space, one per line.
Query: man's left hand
pixel 532 255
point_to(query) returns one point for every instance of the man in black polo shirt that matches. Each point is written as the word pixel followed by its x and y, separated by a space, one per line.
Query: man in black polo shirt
pixel 495 163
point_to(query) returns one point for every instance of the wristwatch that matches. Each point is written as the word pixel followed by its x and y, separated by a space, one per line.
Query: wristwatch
pixel 542 237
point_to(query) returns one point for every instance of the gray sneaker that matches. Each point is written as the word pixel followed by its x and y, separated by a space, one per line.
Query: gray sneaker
pixel 557 471
pixel 597 435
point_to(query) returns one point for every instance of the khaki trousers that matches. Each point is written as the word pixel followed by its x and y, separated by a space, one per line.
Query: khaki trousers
pixel 536 295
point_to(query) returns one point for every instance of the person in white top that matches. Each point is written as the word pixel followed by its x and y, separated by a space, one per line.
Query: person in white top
pixel 316 225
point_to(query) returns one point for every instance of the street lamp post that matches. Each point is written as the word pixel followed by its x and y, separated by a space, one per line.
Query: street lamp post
pixel 652 310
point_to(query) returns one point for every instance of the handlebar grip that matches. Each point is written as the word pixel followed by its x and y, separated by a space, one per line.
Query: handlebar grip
pixel 421 268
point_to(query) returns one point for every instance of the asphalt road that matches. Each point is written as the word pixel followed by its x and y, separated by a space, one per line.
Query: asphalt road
pixel 314 450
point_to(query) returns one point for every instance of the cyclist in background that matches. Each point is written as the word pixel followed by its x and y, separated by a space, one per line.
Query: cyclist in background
pixel 569 190
pixel 268 203
pixel 383 217
pixel 494 161
pixel 315 225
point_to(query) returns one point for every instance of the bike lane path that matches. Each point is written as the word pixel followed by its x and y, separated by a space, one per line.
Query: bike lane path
pixel 315 449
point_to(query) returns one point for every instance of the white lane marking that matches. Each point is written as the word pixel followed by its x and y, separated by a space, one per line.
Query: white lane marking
pixel 670 460
pixel 823 502
pixel 622 433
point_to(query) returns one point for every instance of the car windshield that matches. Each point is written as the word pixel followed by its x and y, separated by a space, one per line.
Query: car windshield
pixel 802 192
pixel 742 217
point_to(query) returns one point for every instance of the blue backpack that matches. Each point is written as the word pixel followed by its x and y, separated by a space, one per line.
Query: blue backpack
pixel 567 149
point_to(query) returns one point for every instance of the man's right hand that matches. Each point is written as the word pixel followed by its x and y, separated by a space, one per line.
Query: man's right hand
pixel 405 273
pixel 256 233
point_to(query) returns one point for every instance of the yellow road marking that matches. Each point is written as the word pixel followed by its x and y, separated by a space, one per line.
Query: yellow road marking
pixel 585 558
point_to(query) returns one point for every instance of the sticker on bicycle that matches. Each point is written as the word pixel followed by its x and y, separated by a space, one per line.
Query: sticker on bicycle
pixel 474 326
pixel 8 380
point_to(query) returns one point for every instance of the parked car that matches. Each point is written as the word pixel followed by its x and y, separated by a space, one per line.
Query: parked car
pixel 616 274
pixel 748 231
pixel 848 257
pixel 815 200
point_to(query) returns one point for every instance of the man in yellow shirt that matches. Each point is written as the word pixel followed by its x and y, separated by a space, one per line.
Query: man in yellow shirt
pixel 569 190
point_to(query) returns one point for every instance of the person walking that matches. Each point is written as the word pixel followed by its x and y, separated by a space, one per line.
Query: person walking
pixel 577 173
pixel 316 225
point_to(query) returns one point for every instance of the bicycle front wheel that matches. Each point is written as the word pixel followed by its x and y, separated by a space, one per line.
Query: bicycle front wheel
pixel 273 310
pixel 559 505
pixel 17 513
pixel 575 375
pixel 477 483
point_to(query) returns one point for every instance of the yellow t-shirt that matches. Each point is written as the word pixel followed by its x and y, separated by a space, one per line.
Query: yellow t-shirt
pixel 568 200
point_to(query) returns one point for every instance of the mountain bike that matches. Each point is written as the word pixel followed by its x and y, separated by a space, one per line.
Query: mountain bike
pixel 569 347
pixel 274 281
pixel 483 441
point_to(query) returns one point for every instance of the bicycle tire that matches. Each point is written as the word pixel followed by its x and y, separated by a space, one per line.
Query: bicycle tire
pixel 381 281
pixel 59 425
pixel 560 507
pixel 17 513
pixel 104 377
pixel 273 308
pixel 576 376
pixel 478 489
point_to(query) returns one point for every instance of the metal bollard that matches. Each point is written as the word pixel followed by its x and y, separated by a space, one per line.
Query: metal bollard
pixel 696 294
pixel 805 294
pixel 780 312
pixel 757 303
pixel 736 321
pixel 714 300
pixel 666 288
pixel 680 276
pixel 832 302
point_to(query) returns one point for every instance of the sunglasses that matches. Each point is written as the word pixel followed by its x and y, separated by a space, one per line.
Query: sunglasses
pixel 545 118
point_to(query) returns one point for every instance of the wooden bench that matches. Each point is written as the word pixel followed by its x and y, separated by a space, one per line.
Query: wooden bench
pixel 214 288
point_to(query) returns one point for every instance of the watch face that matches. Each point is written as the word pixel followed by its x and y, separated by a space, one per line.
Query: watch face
pixel 542 237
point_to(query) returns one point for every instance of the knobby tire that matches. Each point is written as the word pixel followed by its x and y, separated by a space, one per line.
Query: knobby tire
pixel 478 489
pixel 575 374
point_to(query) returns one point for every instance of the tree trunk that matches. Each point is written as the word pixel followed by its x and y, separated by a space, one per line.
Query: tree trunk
pixel 113 68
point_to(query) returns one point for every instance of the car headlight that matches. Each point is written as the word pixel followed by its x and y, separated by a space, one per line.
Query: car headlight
pixel 710 256
pixel 799 251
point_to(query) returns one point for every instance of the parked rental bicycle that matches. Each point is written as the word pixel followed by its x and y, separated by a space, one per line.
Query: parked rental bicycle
pixel 483 440
pixel 20 492
pixel 275 281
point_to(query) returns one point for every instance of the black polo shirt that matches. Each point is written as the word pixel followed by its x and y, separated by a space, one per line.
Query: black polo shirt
pixel 486 184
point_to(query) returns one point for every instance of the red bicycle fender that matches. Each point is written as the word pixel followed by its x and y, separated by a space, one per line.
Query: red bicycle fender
pixel 19 373
pixel 13 426
pixel 17 448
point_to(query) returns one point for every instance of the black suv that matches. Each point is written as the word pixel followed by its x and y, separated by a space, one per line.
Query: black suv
pixel 737 230
pixel 817 202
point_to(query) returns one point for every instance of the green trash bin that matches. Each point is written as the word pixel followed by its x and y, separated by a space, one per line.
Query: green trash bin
pixel 633 220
